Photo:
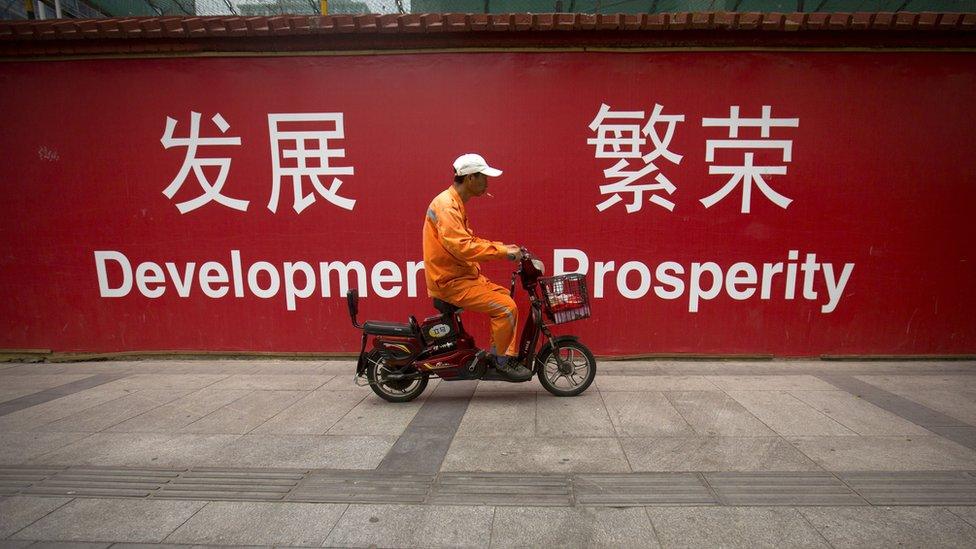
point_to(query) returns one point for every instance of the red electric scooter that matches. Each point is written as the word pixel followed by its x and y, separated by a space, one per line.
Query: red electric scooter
pixel 404 355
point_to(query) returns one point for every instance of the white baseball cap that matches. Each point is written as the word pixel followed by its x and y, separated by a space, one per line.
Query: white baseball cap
pixel 474 163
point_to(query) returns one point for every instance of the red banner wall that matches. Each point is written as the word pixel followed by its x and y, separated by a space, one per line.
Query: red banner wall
pixel 855 236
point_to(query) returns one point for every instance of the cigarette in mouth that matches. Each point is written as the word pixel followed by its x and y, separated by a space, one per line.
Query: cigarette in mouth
pixel 489 195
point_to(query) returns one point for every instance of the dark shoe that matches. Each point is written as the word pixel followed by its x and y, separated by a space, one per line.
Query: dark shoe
pixel 510 369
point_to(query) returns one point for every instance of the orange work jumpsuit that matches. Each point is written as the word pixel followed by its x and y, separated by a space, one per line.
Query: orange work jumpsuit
pixel 451 257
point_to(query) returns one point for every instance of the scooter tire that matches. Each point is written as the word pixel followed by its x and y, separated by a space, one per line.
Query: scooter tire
pixel 579 355
pixel 397 391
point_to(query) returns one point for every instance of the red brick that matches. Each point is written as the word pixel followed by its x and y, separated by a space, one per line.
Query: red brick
pixel 701 20
pixel 300 24
pixel 927 20
pixel 905 21
pixel 586 21
pixel 750 20
pixel 433 22
pixel 608 21
pixel 367 23
pixel 344 23
pixel 949 20
pixel 237 27
pixel 411 23
pixel 478 21
pixel 724 20
pixel 883 20
pixel 632 21
pixel 542 21
pixel 565 21
pixel 772 21
pixel 323 23
pixel 817 21
pixel 794 21
pixel 456 22
pixel 861 21
pixel 839 21
pixel 680 21
pixel 389 23
pixel 523 21
pixel 500 22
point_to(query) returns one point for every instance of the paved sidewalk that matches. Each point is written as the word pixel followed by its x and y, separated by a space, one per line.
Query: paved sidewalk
pixel 656 453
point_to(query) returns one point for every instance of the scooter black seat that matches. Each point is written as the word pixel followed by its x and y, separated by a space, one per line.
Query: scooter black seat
pixel 379 327
pixel 444 307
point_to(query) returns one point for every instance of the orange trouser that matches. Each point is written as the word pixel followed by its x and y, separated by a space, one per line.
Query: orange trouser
pixel 483 296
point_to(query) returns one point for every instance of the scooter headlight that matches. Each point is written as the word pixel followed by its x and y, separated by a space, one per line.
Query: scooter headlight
pixel 537 263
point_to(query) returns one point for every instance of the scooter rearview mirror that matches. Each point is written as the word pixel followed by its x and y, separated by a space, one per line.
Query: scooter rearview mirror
pixel 352 297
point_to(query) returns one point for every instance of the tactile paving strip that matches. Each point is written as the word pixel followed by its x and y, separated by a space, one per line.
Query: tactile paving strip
pixel 461 488
pixel 502 489
pixel 642 489
pixel 773 488
pixel 915 488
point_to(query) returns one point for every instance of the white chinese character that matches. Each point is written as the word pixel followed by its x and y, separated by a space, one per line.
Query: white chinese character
pixel 305 146
pixel 626 135
pixel 626 142
pixel 747 174
pixel 211 191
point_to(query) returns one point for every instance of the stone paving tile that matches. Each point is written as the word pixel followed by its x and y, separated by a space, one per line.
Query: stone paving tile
pixel 858 415
pixel 535 455
pixel 491 387
pixel 645 414
pixel 770 383
pixel 65 544
pixel 500 414
pixel 112 520
pixel 573 527
pixel 884 527
pixel 745 527
pixel 951 395
pixel 412 526
pixel 167 381
pixel 314 414
pixel 375 416
pixel 38 382
pixel 53 410
pixel 20 447
pixel 304 452
pixel 181 412
pixel 653 383
pixel 967 514
pixel 714 454
pixel 788 415
pixel 584 415
pixel 20 511
pixel 875 453
pixel 11 394
pixel 244 414
pixel 273 382
pixel 713 413
pixel 139 450
pixel 103 416
pixel 252 523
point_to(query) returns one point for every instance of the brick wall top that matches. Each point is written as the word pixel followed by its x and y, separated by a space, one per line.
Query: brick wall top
pixel 420 31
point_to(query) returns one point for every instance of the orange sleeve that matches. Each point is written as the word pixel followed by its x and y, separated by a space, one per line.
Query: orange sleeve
pixel 461 243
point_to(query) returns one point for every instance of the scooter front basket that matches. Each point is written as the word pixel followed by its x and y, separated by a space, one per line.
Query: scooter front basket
pixel 565 297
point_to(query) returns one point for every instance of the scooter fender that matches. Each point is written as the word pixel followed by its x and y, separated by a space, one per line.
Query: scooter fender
pixel 537 366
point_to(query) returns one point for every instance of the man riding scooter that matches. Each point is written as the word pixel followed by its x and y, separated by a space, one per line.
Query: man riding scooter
pixel 451 262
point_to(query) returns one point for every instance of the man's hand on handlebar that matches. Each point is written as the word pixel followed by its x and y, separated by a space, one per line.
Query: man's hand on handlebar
pixel 514 252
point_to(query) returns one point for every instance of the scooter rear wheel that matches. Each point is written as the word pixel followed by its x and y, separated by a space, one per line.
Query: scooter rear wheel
pixel 378 372
pixel 569 374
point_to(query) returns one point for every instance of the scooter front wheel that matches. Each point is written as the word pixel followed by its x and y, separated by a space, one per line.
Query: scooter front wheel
pixel 378 372
pixel 567 369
